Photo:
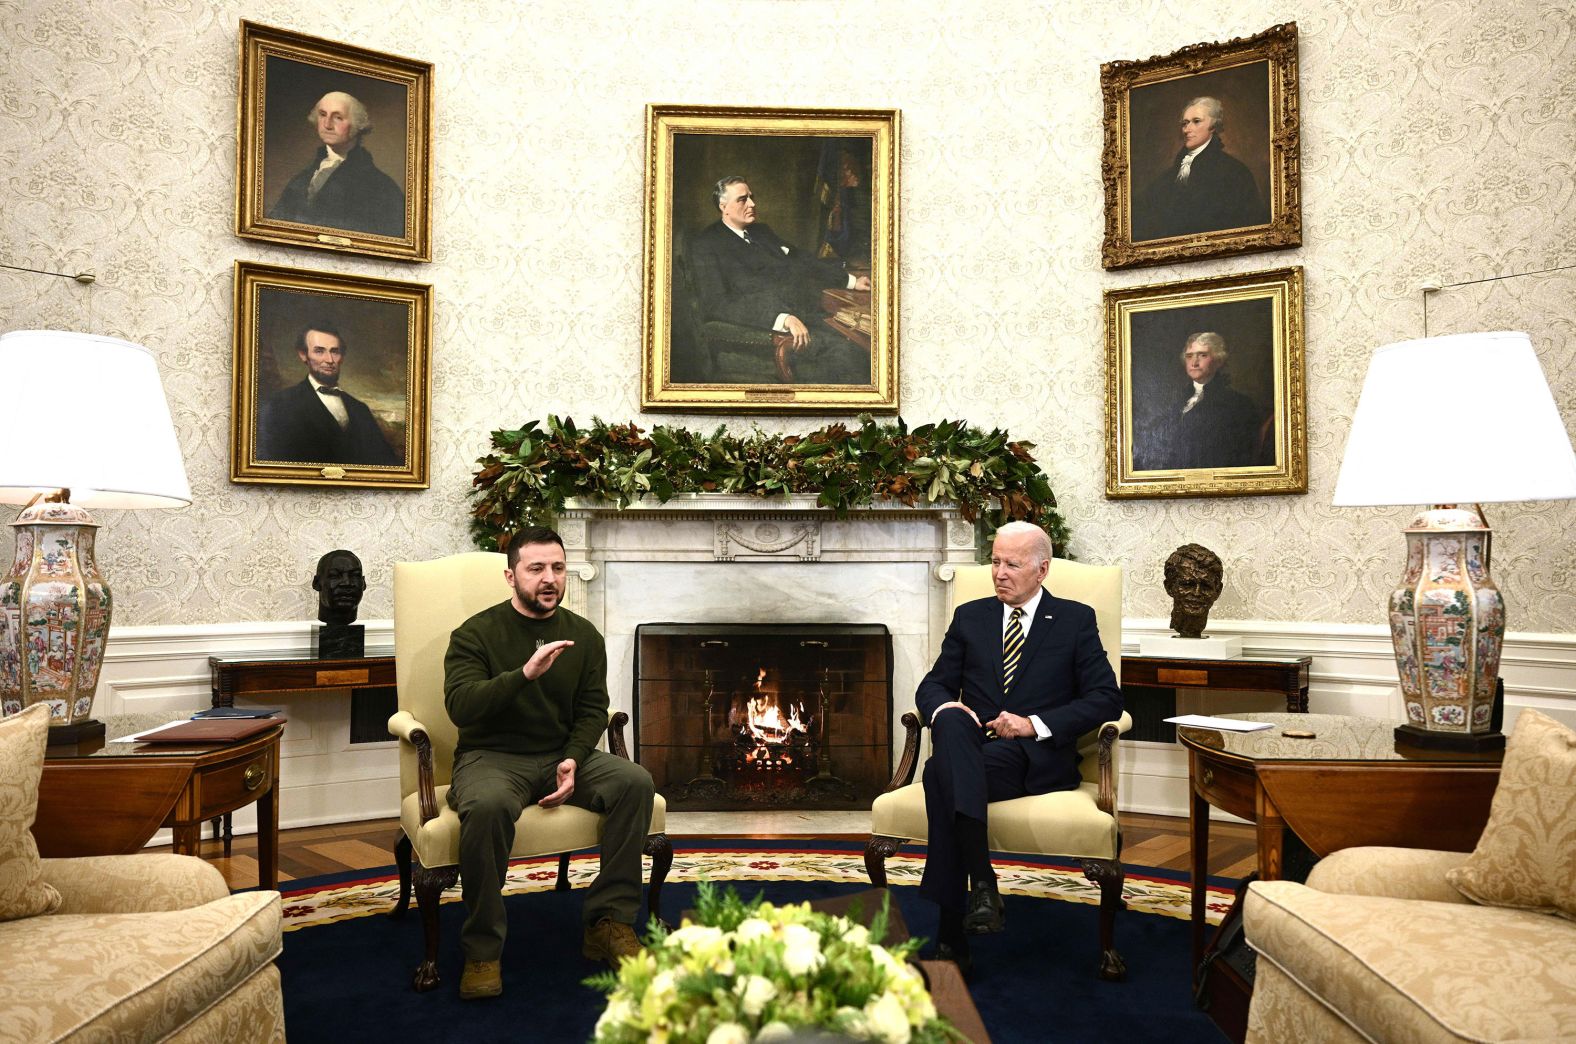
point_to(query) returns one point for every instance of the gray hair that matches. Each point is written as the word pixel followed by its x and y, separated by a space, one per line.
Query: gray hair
pixel 721 188
pixel 360 119
pixel 1213 341
pixel 1212 109
pixel 1042 544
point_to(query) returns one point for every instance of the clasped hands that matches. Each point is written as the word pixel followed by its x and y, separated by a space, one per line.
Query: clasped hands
pixel 1005 725
pixel 534 668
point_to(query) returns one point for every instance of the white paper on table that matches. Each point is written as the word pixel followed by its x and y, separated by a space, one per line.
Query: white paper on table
pixel 1204 721
pixel 134 737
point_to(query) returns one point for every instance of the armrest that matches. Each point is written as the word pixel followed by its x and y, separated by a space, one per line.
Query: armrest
pixel 1109 733
pixel 908 762
pixel 404 727
pixel 616 720
pixel 1399 873
pixel 133 883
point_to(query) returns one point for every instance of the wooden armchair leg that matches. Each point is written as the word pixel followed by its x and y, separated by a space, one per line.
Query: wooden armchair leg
pixel 430 884
pixel 660 849
pixel 562 884
pixel 1108 874
pixel 402 860
pixel 877 852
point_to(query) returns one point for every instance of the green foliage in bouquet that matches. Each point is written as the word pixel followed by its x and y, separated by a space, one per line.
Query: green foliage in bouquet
pixel 532 470
pixel 750 971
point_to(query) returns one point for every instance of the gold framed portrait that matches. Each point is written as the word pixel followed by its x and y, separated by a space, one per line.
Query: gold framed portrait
pixel 333 146
pixel 1202 152
pixel 770 260
pixel 1205 393
pixel 330 383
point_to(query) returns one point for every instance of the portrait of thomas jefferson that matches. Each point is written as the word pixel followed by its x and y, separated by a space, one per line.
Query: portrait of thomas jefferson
pixel 1203 388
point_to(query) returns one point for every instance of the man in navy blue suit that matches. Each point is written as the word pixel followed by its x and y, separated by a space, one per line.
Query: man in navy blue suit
pixel 1020 678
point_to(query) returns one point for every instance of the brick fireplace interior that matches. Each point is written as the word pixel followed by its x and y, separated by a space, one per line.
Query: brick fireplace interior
pixel 746 716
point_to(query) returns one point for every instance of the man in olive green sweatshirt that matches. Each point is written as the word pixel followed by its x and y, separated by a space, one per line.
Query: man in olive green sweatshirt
pixel 525 682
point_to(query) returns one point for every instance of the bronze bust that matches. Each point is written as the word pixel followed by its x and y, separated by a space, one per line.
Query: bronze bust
pixel 339 586
pixel 1193 580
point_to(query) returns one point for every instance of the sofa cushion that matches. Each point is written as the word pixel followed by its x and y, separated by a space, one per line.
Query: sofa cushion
pixel 1401 969
pixel 131 976
pixel 23 891
pixel 1526 857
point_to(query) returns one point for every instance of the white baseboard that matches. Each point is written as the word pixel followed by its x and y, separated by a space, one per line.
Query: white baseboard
pixel 326 779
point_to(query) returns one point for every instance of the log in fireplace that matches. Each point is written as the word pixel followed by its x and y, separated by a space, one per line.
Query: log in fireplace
pixel 744 716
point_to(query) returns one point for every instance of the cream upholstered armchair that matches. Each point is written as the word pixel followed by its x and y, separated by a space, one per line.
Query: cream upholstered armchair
pixel 1079 824
pixel 430 600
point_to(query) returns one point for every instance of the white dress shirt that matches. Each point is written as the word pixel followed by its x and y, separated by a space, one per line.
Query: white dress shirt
pixel 332 402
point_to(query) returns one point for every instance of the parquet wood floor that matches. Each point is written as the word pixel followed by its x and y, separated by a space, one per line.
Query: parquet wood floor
pixel 1158 841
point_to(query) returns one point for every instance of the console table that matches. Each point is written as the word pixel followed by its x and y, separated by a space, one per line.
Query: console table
pixel 1287 675
pixel 110 802
pixel 271 674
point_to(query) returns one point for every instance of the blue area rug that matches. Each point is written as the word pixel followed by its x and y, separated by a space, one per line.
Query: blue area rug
pixel 347 967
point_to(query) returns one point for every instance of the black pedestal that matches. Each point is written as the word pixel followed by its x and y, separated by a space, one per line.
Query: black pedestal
pixel 1417 736
pixel 84 737
pixel 339 641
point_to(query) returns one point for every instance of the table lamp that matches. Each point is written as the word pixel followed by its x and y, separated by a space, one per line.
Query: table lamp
pixel 1454 422
pixel 87 427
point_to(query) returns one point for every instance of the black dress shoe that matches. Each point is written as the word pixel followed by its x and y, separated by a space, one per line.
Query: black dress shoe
pixel 984 912
pixel 965 963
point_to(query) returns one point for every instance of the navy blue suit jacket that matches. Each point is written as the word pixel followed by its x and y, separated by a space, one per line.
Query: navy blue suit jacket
pixel 1063 676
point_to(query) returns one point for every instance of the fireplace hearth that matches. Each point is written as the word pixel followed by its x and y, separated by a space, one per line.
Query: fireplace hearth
pixel 746 716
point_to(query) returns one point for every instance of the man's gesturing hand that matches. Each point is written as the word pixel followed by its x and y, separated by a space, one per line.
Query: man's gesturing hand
pixel 566 785
pixel 537 665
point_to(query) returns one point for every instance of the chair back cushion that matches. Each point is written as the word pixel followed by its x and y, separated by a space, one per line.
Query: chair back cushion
pixel 431 599
pixel 23 890
pixel 1526 857
pixel 1100 588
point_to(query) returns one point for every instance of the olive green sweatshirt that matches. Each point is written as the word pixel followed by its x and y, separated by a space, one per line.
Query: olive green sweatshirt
pixel 495 708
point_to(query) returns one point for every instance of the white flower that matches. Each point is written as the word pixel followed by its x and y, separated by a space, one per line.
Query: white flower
pixel 801 949
pixel 856 935
pixel 729 1033
pixel 754 991
pixel 618 1010
pixel 753 928
pixel 774 1031
pixel 887 1019
pixel 694 937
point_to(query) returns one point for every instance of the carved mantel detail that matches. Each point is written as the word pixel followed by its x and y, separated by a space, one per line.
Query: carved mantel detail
pixel 768 538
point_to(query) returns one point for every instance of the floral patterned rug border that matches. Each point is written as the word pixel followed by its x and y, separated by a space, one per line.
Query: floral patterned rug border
pixel 375 894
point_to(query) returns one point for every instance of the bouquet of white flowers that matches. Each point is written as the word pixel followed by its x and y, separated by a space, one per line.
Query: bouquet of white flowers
pixel 743 972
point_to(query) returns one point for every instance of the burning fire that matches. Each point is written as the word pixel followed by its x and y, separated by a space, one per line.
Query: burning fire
pixel 768 726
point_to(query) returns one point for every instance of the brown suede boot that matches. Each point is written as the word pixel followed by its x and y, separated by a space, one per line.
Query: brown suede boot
pixel 481 979
pixel 608 940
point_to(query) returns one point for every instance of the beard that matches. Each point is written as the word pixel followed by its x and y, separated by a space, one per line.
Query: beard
pixel 535 604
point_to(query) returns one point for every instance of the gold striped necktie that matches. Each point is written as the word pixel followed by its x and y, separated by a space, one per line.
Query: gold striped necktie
pixel 1011 649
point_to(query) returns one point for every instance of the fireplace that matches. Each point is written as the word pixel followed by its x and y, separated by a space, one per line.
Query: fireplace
pixel 746 716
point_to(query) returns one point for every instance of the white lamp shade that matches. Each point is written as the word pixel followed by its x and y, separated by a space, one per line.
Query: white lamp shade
pixel 1464 419
pixel 88 414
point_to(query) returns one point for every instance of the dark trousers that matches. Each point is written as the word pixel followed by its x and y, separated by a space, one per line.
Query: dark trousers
pixel 965 772
pixel 490 789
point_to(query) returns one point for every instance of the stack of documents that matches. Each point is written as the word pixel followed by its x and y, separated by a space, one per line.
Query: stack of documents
pixel 1204 721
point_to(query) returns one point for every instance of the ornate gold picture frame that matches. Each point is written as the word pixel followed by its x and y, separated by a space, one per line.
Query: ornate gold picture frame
pixel 771 260
pixel 330 383
pixel 1205 392
pixel 333 146
pixel 1202 155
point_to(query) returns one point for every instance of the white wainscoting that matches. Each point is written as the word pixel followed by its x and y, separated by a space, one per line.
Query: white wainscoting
pixel 324 778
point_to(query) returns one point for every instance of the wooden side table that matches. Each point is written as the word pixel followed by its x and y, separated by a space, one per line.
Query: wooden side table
pixel 112 801
pixel 1287 675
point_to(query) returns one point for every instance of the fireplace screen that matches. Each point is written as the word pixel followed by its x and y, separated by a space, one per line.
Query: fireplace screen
pixel 731 717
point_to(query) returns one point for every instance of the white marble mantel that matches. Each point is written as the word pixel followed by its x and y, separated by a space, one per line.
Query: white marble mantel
pixel 720 558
